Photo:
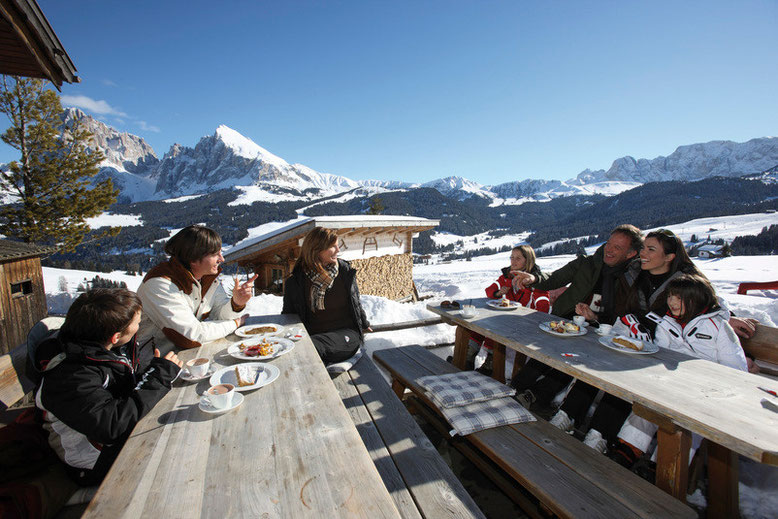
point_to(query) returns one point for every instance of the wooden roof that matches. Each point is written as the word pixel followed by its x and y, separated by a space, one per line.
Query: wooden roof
pixel 365 224
pixel 29 47
pixel 20 250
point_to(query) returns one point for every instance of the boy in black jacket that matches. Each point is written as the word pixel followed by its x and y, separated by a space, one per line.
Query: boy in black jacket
pixel 98 382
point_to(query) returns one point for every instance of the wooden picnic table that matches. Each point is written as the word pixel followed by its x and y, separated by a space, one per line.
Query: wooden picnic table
pixel 289 450
pixel 683 395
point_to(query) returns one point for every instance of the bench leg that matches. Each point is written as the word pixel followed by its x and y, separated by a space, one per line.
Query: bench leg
pixel 723 499
pixel 672 461
pixel 498 364
pixel 461 339
pixel 398 388
pixel 518 362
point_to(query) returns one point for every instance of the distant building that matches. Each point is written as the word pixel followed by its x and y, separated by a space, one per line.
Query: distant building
pixel 710 251
pixel 22 296
pixel 379 246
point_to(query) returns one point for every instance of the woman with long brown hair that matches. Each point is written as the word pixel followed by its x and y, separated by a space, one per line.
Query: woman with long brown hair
pixel 322 290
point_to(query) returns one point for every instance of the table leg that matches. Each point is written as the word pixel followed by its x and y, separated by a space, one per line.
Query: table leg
pixel 672 457
pixel 461 339
pixel 498 365
pixel 672 461
pixel 723 499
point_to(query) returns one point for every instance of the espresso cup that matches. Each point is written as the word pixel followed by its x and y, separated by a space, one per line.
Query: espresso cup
pixel 604 329
pixel 579 320
pixel 219 396
pixel 198 367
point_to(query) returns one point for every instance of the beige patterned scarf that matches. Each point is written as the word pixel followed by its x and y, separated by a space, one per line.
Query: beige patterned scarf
pixel 320 283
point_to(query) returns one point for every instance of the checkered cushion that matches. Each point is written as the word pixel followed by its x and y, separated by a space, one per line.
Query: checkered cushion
pixel 464 387
pixel 471 418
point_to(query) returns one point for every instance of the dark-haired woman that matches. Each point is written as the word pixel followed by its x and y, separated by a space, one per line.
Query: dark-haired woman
pixel 323 291
pixel 180 294
pixel 662 259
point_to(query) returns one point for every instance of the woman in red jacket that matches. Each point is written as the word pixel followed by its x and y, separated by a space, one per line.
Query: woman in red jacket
pixel 522 260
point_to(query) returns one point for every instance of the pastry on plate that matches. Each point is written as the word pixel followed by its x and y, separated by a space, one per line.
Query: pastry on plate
pixel 246 375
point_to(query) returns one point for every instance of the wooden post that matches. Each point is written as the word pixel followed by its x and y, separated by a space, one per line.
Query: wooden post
pixel 498 369
pixel 672 458
pixel 462 338
pixel 722 482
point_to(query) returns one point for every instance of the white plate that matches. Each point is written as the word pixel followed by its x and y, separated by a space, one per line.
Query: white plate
pixel 227 376
pixel 495 305
pixel 546 327
pixel 185 376
pixel 648 347
pixel 243 330
pixel 280 347
pixel 237 399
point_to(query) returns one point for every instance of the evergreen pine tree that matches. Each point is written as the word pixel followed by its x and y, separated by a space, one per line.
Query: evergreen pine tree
pixel 376 205
pixel 50 181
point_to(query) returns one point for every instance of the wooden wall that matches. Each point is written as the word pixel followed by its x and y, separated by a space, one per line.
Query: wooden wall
pixel 19 314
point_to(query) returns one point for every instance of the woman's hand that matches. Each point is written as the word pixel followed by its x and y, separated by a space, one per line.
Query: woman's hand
pixel 242 293
pixel 586 311
pixel 501 292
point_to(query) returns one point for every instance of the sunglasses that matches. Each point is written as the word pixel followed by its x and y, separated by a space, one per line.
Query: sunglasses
pixel 449 304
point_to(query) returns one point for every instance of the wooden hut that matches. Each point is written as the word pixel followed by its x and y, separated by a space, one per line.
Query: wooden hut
pixel 22 298
pixel 378 246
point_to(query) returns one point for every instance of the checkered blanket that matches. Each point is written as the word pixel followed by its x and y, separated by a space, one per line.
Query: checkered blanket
pixel 472 402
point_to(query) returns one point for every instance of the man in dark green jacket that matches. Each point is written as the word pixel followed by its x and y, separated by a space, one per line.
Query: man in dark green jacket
pixel 593 291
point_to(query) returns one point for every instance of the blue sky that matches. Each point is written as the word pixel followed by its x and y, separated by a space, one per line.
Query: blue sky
pixel 493 91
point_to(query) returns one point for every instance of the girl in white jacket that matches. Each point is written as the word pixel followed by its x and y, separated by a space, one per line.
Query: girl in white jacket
pixel 694 325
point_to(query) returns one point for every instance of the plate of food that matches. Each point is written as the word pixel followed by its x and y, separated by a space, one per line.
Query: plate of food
pixel 502 304
pixel 626 344
pixel 246 376
pixel 562 328
pixel 260 348
pixel 255 330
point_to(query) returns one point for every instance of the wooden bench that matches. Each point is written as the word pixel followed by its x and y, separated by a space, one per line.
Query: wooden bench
pixel 763 347
pixel 567 478
pixel 419 480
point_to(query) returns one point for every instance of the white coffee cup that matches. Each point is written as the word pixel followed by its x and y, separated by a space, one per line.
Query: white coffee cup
pixel 604 329
pixel 468 311
pixel 579 320
pixel 219 396
pixel 198 367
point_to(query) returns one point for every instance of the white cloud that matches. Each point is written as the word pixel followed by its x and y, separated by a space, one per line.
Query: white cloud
pixel 148 127
pixel 108 82
pixel 91 105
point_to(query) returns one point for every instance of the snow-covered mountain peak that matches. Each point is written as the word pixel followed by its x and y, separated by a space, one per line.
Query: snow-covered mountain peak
pixel 245 147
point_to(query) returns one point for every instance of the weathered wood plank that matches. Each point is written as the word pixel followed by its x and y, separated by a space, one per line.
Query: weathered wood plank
pixel 376 447
pixel 436 490
pixel 290 450
pixel 13 383
pixel 763 345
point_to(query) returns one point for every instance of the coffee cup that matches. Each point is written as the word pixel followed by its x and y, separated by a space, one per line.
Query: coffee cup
pixel 468 311
pixel 198 367
pixel 604 329
pixel 579 320
pixel 219 396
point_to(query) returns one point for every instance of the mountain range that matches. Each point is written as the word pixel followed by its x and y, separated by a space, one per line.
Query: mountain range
pixel 228 159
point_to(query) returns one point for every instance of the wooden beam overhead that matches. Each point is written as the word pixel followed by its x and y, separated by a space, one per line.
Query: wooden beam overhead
pixel 29 47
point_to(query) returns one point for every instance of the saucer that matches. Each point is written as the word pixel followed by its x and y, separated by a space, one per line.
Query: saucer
pixel 185 376
pixel 237 399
